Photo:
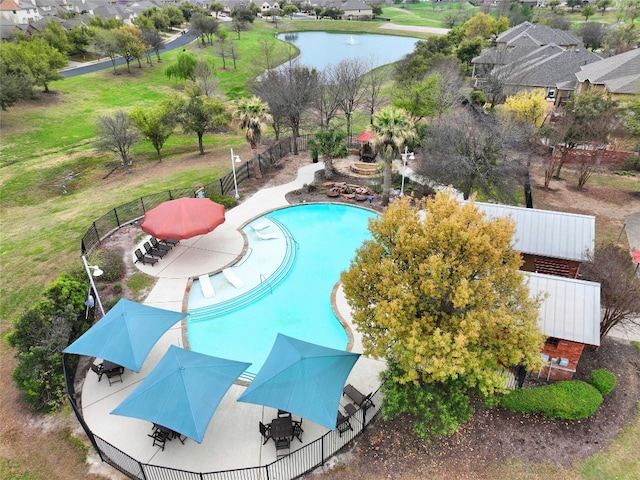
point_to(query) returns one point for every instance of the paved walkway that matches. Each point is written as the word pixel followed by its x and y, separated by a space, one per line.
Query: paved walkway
pixel 232 440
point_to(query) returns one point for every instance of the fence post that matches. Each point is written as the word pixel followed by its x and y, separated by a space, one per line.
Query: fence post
pixel 142 203
pixel 115 214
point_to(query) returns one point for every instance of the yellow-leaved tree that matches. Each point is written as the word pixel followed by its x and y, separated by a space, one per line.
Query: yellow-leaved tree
pixel 437 293
pixel 527 106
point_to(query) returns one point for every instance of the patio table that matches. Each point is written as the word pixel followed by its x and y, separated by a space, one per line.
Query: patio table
pixel 282 427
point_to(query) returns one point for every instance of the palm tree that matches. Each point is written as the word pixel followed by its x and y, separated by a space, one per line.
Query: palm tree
pixel 392 127
pixel 254 117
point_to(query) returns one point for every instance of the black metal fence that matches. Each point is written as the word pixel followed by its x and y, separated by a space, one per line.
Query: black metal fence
pixel 134 210
pixel 292 466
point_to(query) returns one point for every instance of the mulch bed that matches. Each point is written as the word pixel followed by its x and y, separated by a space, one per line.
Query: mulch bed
pixel 391 450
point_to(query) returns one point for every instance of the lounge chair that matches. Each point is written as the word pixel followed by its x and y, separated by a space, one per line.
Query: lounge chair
pixel 260 226
pixel 266 236
pixel 145 259
pixel 156 244
pixel 206 287
pixel 173 243
pixel 232 278
pixel 154 252
pixel 342 423
pixel 363 401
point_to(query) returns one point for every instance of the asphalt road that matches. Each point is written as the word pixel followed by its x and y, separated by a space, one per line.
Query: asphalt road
pixel 177 42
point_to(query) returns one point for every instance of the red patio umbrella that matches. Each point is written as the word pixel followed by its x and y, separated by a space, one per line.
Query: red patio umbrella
pixel 183 218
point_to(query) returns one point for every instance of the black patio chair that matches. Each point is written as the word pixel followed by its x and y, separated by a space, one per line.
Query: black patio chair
pixel 342 423
pixel 297 429
pixel 173 243
pixel 98 369
pixel 156 244
pixel 265 431
pixel 145 259
pixel 115 375
pixel 160 437
pixel 283 413
pixel 155 252
pixel 282 444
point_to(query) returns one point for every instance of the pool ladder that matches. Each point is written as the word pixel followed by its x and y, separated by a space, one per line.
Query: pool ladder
pixel 264 279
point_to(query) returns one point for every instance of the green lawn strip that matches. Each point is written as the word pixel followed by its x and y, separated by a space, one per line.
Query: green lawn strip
pixel 425 15
pixel 620 460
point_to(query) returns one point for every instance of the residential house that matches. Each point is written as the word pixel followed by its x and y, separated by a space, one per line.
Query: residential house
pixel 18 12
pixel 530 56
pixel 354 10
pixel 618 75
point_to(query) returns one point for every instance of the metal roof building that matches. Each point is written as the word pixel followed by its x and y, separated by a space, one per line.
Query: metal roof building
pixel 571 309
pixel 546 233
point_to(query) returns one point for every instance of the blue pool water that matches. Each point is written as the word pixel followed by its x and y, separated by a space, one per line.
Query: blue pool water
pixel 326 237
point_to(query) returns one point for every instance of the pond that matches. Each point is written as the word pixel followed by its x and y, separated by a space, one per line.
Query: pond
pixel 319 49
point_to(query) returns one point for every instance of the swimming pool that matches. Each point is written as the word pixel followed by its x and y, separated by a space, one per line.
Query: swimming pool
pixel 325 237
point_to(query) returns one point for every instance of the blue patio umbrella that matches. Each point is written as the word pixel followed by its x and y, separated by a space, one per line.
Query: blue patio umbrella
pixel 302 378
pixel 126 334
pixel 183 391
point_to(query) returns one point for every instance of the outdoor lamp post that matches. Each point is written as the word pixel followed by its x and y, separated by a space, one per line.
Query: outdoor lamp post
pixel 96 273
pixel 235 159
pixel 407 155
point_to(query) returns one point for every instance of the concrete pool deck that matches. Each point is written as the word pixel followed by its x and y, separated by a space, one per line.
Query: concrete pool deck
pixel 232 440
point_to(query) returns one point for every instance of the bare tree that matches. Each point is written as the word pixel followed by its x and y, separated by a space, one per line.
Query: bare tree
pixel 203 74
pixel 326 99
pixel 373 87
pixel 611 266
pixel 290 92
pixel 450 85
pixel 348 77
pixel 267 49
pixel 474 153
pixel 117 134
pixel 589 117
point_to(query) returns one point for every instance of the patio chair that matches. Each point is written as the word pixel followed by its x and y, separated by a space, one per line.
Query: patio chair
pixel 283 413
pixel 363 401
pixel 297 429
pixel 145 259
pixel 282 444
pixel 113 374
pixel 160 246
pixel 98 369
pixel 160 437
pixel 265 431
pixel 154 252
pixel 342 423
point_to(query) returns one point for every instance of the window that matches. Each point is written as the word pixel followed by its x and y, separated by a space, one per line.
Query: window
pixel 552 341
